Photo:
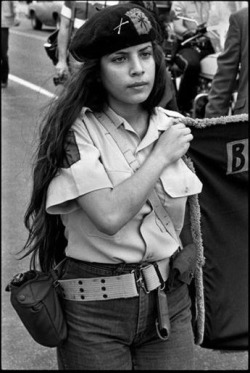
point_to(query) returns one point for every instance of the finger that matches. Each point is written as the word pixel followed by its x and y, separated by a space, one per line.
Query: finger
pixel 187 130
pixel 179 125
pixel 189 137
pixel 177 121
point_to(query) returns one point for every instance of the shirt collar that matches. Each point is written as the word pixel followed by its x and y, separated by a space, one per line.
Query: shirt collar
pixel 163 118
pixel 160 121
pixel 116 119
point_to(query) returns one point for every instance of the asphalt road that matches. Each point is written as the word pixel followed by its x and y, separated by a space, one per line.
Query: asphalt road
pixel 21 110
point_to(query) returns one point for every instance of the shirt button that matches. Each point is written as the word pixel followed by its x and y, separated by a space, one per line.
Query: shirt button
pixel 186 190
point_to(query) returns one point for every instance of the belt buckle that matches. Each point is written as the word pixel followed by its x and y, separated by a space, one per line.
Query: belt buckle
pixel 139 279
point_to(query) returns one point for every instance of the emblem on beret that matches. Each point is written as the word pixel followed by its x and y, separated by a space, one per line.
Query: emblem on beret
pixel 140 21
pixel 120 25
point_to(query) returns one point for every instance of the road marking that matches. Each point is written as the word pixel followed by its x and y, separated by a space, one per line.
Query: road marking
pixel 31 86
pixel 31 36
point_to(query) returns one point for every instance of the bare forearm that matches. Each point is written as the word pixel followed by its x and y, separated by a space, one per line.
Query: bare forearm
pixel 127 198
pixel 63 39
pixel 111 209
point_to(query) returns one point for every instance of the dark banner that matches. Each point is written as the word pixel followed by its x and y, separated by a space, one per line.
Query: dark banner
pixel 219 153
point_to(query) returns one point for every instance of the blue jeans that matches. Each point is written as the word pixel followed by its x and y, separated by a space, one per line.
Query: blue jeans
pixel 120 334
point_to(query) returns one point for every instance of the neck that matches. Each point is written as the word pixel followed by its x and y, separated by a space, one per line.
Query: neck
pixel 135 115
pixel 128 112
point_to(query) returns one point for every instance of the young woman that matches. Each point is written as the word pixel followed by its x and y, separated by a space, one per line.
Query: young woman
pixel 105 150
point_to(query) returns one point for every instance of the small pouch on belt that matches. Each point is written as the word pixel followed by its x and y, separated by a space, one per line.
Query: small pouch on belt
pixel 162 322
pixel 185 263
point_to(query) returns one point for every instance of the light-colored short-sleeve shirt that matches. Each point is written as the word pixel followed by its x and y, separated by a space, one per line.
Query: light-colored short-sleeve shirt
pixel 82 11
pixel 93 162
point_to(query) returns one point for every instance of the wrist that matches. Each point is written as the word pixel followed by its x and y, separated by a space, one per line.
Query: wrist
pixel 62 62
pixel 159 159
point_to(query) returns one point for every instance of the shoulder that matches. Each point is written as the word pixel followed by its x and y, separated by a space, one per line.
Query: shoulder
pixel 169 113
pixel 80 122
pixel 87 124
pixel 239 21
pixel 241 16
pixel 164 118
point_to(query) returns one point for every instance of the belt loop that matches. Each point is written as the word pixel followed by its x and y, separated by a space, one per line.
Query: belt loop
pixel 160 276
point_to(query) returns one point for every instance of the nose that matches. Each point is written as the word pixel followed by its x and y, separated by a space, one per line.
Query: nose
pixel 136 66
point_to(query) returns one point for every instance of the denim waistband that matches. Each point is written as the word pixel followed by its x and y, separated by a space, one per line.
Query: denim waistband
pixel 113 267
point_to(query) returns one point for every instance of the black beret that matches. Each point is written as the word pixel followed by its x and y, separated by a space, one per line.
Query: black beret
pixel 113 28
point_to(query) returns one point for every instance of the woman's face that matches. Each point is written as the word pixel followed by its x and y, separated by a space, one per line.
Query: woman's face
pixel 128 75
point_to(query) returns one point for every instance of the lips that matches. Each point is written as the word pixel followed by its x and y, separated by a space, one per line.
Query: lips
pixel 137 84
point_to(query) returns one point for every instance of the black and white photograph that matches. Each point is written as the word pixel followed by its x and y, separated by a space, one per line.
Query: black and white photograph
pixel 124 179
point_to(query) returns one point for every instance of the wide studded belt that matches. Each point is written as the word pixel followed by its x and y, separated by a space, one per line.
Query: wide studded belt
pixel 148 277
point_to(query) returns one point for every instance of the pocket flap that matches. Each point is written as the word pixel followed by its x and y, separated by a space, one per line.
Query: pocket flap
pixel 179 181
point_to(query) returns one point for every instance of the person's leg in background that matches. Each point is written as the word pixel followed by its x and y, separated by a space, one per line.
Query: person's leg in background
pixel 4 56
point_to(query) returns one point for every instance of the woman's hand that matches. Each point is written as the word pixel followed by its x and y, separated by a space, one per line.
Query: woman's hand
pixel 173 143
pixel 62 69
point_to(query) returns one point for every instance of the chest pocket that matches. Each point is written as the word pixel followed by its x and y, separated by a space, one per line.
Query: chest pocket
pixel 176 183
pixel 179 181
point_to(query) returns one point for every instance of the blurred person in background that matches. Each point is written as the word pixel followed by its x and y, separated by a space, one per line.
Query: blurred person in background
pixel 215 15
pixel 9 18
pixel 82 10
pixel 189 57
pixel 232 71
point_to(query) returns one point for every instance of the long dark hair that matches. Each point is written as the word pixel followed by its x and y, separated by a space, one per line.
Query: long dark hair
pixel 46 241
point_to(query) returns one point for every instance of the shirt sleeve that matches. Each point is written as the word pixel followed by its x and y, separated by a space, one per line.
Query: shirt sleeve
pixel 66 9
pixel 81 172
pixel 224 81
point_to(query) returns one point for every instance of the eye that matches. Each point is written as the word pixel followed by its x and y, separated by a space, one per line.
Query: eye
pixel 146 54
pixel 119 59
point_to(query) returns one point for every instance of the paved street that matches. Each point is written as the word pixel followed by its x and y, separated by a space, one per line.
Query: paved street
pixel 21 110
